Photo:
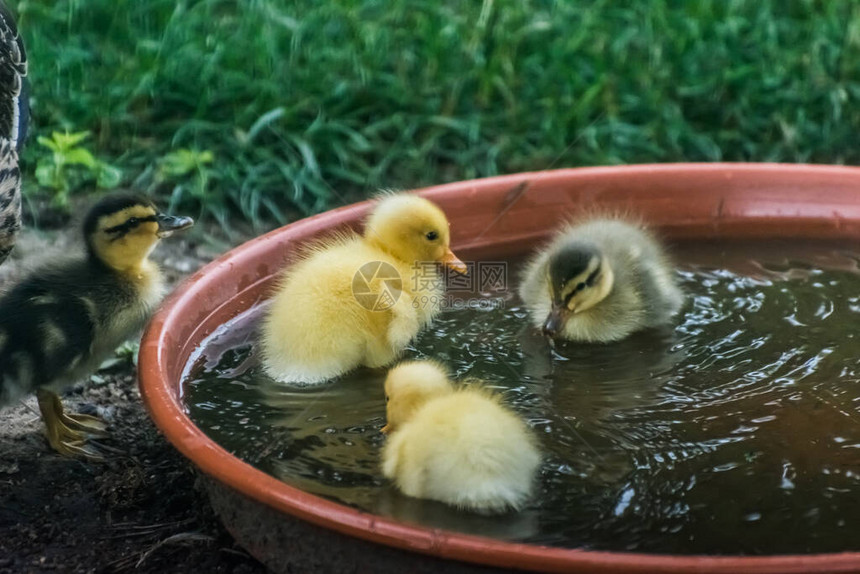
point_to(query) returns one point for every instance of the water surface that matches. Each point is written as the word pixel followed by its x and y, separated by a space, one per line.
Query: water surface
pixel 734 431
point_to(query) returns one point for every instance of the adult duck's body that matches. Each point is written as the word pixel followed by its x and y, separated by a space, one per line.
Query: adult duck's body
pixel 14 116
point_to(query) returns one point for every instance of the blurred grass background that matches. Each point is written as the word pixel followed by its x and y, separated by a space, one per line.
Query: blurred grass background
pixel 275 109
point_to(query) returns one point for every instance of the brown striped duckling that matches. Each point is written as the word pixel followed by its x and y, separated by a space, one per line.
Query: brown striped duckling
pixel 63 320
pixel 600 280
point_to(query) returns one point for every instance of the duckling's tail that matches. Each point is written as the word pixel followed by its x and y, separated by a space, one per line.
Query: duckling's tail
pixel 14 119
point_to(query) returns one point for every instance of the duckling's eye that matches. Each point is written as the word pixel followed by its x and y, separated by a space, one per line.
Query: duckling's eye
pixel 387 399
pixel 580 286
pixel 132 221
pixel 432 235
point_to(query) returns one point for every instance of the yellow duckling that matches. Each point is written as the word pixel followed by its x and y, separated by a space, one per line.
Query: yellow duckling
pixel 359 299
pixel 457 446
pixel 600 280
pixel 61 322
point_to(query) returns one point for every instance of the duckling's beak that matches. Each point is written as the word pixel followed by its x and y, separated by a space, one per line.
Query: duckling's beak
pixel 167 224
pixel 385 429
pixel 554 322
pixel 453 262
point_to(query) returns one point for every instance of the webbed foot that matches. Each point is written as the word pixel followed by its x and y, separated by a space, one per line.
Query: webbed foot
pixel 69 434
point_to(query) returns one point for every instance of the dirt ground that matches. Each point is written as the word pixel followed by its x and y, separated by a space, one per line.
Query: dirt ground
pixel 139 511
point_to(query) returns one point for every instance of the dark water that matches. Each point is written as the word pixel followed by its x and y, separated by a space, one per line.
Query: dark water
pixel 735 432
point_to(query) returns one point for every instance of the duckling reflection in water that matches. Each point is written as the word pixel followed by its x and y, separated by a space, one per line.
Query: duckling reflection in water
pixel 63 320
pixel 599 281
pixel 353 301
pixel 432 514
pixel 457 446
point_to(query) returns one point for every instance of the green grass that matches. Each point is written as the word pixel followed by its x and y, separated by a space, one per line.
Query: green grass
pixel 307 104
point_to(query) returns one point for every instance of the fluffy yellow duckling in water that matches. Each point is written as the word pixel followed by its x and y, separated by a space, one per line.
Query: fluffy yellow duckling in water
pixel 600 280
pixel 457 446
pixel 358 299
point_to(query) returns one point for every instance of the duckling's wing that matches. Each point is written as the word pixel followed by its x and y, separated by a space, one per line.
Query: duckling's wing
pixel 46 333
pixel 643 271
pixel 534 288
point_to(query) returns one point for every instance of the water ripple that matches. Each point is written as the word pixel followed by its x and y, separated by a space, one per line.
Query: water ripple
pixel 736 431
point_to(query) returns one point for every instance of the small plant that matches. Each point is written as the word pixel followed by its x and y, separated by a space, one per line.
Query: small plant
pixel 178 165
pixel 70 165
pixel 190 174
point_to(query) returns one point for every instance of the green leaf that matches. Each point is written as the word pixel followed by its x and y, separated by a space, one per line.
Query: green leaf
pixel 307 152
pixel 183 161
pixel 108 176
pixel 268 118
pixel 45 174
pixel 60 199
pixel 69 140
pixel 48 143
pixel 80 156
